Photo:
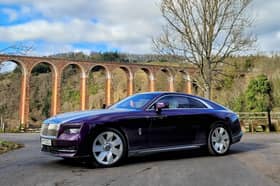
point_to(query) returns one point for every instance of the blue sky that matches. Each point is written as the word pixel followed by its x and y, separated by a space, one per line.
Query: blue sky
pixel 54 26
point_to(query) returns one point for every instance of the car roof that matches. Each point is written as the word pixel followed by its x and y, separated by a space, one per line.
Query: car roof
pixel 213 104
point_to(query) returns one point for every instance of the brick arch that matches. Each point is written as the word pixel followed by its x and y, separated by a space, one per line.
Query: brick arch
pixel 170 77
pixel 185 81
pixel 80 67
pixel 128 71
pixel 52 66
pixel 24 68
pixel 24 95
pixel 83 80
pixel 54 74
pixel 188 81
pixel 104 67
pixel 168 72
pixel 149 74
pixel 107 82
pixel 148 71
pixel 129 76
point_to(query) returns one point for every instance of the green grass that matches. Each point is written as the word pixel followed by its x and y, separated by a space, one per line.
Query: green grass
pixel 6 146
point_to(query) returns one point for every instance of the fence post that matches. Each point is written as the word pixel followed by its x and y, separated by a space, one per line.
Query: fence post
pixel 2 124
pixel 252 128
pixel 269 120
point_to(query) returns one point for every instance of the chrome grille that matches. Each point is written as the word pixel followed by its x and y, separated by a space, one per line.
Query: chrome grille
pixel 50 129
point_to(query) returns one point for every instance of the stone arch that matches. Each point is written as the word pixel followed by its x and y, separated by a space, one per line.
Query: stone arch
pixel 180 81
pixel 98 67
pixel 169 86
pixel 73 88
pixel 56 78
pixel 187 80
pixel 146 76
pixel 128 71
pixel 80 67
pixel 51 65
pixel 129 75
pixel 23 67
pixel 98 91
pixel 20 115
pixel 41 79
pixel 119 88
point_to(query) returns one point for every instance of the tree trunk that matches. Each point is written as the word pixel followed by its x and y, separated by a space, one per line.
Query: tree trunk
pixel 207 92
pixel 208 79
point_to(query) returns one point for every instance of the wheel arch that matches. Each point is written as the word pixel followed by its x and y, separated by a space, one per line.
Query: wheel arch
pixel 221 122
pixel 96 129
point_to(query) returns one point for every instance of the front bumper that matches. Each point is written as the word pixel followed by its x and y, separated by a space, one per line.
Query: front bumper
pixel 64 146
pixel 236 138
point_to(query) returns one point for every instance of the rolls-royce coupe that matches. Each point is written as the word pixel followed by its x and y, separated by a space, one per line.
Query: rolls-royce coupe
pixel 141 124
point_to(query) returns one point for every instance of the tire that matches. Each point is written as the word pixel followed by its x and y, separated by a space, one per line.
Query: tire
pixel 108 148
pixel 219 140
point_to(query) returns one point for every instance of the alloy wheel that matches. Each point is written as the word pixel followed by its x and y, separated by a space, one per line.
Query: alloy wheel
pixel 107 148
pixel 220 140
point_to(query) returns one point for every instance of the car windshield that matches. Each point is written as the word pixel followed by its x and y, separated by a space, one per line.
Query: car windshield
pixel 136 102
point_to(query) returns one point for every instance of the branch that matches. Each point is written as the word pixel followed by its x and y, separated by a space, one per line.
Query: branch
pixel 17 49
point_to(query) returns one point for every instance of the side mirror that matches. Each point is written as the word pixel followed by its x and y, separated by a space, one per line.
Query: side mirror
pixel 159 106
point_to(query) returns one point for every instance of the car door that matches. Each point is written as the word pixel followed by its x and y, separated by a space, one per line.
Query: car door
pixel 178 124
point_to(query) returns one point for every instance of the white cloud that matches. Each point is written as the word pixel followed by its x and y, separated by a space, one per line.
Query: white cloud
pixel 74 31
pixel 46 49
pixel 124 24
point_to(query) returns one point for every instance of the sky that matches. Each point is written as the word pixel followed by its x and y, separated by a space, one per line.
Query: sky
pixel 57 26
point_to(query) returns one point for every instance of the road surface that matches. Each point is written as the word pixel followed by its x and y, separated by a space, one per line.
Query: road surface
pixel 255 161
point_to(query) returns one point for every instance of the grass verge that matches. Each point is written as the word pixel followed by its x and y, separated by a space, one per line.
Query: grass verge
pixel 6 146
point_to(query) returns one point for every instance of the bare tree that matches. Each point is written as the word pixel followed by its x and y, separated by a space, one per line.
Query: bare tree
pixel 18 49
pixel 205 33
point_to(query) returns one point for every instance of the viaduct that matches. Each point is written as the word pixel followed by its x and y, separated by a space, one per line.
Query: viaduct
pixel 57 66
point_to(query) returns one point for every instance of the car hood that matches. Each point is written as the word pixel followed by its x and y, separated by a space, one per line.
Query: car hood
pixel 80 115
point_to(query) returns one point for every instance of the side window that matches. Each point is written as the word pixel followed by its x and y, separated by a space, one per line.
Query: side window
pixel 193 103
pixel 183 102
pixel 170 101
pixel 174 102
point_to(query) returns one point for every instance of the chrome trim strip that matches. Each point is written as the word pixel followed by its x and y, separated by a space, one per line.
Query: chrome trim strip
pixel 66 151
pixel 48 137
pixel 206 104
pixel 163 149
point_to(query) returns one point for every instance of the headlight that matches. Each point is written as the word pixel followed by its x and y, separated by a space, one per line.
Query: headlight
pixel 50 129
pixel 71 128
pixel 72 131
pixel 53 127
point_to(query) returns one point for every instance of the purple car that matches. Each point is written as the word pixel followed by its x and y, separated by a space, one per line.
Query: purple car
pixel 141 124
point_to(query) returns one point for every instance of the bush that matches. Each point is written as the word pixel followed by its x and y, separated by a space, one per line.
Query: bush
pixel 259 94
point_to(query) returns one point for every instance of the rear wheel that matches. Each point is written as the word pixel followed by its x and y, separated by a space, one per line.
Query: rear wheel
pixel 218 140
pixel 108 148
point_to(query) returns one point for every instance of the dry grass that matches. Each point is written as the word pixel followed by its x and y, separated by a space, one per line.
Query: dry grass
pixel 6 146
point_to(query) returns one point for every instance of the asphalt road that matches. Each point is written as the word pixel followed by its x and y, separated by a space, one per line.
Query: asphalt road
pixel 253 162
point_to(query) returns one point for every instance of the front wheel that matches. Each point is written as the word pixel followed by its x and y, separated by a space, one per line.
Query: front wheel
pixel 218 140
pixel 108 148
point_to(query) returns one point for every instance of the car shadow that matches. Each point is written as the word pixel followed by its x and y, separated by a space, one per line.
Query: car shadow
pixel 244 147
pixel 167 156
pixel 239 148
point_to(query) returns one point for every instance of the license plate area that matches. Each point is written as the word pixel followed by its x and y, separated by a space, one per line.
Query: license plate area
pixel 46 142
